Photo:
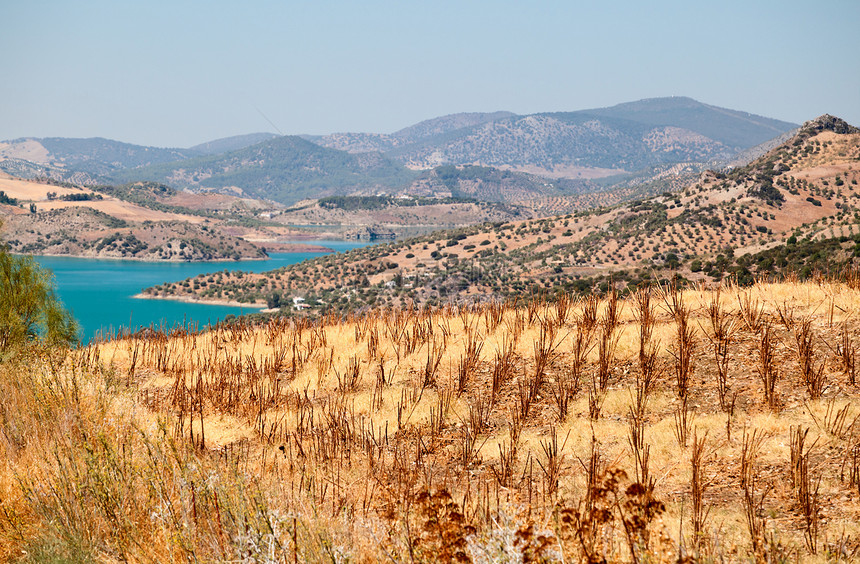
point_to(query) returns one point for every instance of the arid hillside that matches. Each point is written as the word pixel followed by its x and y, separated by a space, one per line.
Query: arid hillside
pixel 740 221
pixel 137 221
pixel 584 144
pixel 701 425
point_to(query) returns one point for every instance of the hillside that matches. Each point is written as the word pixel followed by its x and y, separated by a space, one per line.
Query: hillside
pixel 696 426
pixel 397 215
pixel 285 169
pixel 95 156
pixel 584 144
pixel 428 129
pixel 140 221
pixel 233 143
pixel 441 198
pixel 805 189
pixel 490 184
pixel 86 232
pixel 640 142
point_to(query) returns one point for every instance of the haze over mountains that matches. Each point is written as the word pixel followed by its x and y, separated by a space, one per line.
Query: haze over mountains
pixel 645 138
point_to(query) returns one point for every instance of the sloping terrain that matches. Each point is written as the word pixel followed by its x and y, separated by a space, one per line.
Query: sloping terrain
pixel 139 221
pixel 641 142
pixel 233 143
pixel 396 214
pixel 285 169
pixel 428 129
pixel 805 189
pixel 490 184
pixel 86 232
pixel 584 144
pixel 695 426
pixel 95 156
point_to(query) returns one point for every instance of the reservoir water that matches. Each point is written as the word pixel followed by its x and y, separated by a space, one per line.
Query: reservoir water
pixel 99 292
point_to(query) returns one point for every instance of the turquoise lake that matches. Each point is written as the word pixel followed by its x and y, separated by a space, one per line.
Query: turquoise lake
pixel 99 292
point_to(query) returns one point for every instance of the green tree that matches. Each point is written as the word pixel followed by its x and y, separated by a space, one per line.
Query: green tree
pixel 29 308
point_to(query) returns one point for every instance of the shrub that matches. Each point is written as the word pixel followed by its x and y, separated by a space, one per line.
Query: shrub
pixel 29 309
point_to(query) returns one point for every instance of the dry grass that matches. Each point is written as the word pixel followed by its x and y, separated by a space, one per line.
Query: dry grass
pixel 571 431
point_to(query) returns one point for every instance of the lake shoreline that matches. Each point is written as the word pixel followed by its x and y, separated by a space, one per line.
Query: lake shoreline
pixel 101 293
pixel 188 300
pixel 269 247
pixel 145 260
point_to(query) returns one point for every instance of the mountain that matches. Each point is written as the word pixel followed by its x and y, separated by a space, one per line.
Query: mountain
pixel 564 153
pixel 488 184
pixel 784 212
pixel 231 143
pixel 583 144
pixel 284 169
pixel 426 130
pixel 730 127
pixel 95 156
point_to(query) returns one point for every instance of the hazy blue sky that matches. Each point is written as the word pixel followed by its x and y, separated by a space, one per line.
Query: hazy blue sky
pixel 177 73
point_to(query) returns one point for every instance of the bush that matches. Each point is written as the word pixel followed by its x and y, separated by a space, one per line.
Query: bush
pixel 29 309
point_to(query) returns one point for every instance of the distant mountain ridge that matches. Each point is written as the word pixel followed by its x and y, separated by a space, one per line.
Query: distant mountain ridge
pixel 598 142
pixel 95 155
pixel 643 140
pixel 101 157
pixel 233 143
pixel 420 132
pixel 286 169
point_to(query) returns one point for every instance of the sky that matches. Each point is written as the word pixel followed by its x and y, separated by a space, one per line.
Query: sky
pixel 178 73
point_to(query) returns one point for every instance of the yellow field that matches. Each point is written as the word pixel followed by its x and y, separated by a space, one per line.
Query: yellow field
pixel 37 192
pixel 716 426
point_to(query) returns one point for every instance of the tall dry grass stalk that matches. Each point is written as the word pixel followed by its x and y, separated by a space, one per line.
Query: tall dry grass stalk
pixel 848 355
pixel 766 369
pixel 470 358
pixel 811 374
pixel 503 369
pixel 805 487
pixel 684 344
pixel 721 334
pixel 698 486
pixel 753 502
pixel 645 381
pixel 608 341
pixel 751 312
pixel 552 467
pixel 683 419
pixel 569 381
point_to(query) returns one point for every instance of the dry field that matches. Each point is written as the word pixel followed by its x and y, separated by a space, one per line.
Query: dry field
pixel 671 426
pixel 31 191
